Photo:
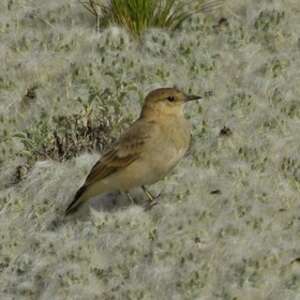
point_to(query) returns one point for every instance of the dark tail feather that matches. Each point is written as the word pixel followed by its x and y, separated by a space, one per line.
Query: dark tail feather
pixel 76 203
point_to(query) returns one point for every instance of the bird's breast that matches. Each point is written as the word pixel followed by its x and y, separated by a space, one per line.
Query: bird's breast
pixel 172 145
pixel 178 135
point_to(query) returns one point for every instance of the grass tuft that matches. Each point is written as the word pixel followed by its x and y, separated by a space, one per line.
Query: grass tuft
pixel 139 15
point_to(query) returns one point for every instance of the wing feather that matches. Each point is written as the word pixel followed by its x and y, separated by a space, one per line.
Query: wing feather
pixel 123 153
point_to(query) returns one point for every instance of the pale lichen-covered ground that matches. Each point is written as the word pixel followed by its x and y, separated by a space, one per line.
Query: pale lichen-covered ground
pixel 228 220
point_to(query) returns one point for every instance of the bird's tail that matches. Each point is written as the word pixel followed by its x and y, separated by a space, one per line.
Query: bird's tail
pixel 77 201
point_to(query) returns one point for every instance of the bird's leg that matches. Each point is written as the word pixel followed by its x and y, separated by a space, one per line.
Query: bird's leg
pixel 152 199
pixel 131 199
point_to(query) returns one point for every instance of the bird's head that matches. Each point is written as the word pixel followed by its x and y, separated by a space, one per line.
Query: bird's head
pixel 166 101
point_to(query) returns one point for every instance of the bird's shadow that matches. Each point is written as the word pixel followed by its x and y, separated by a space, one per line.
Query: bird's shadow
pixel 111 202
pixel 116 201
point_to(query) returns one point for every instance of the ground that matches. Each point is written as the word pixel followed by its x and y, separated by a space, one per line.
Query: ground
pixel 227 223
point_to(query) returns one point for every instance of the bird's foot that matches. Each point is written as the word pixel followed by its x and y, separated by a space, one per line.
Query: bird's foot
pixel 150 204
pixel 151 199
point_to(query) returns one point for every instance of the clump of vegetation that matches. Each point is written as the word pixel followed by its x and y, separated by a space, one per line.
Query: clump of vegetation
pixel 267 19
pixel 63 137
pixel 68 136
pixel 139 15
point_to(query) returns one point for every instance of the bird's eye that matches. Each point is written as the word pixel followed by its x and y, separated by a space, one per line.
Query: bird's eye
pixel 171 98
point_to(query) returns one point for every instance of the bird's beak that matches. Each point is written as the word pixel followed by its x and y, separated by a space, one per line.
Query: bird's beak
pixel 192 98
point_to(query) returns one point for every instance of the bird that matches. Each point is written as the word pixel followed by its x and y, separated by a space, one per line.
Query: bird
pixel 146 152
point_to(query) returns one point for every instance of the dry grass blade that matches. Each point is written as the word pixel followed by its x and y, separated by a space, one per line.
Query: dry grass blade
pixel 87 5
pixel 210 6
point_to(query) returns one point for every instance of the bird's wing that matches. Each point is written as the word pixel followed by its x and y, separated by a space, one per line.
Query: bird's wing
pixel 123 153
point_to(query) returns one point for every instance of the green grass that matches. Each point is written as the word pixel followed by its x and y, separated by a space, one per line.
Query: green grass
pixel 139 15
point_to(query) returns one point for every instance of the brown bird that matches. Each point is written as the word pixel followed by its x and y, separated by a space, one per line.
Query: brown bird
pixel 146 152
